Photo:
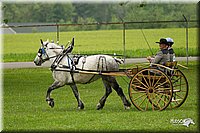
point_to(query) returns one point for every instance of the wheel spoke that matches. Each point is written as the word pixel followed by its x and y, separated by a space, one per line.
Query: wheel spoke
pixel 164 93
pixel 145 80
pixel 161 84
pixel 141 82
pixel 162 99
pixel 142 101
pixel 136 92
pixel 153 79
pixel 157 81
pixel 139 97
pixel 147 106
pixel 158 102
pixel 138 86
pixel 179 96
pixel 152 106
pixel 149 77
pixel 175 80
pixel 180 85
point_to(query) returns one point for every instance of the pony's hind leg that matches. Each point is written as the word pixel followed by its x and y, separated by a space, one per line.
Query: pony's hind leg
pixel 108 88
pixel 55 85
pixel 119 91
pixel 76 94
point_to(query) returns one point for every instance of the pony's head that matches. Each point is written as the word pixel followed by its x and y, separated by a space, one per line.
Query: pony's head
pixel 47 51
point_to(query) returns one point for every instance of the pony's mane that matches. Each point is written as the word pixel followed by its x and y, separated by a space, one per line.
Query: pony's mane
pixel 51 45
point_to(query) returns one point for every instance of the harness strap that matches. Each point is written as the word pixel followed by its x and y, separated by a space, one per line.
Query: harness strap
pixel 83 61
pixel 72 75
pixel 57 60
pixel 102 59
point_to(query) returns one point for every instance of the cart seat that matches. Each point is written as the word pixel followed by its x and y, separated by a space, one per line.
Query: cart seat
pixel 171 64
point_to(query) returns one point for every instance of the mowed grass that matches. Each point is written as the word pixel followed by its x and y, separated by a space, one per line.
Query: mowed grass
pixel 25 108
pixel 23 47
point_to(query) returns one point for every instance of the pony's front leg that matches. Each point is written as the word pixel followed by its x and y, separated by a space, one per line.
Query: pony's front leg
pixel 76 94
pixel 55 85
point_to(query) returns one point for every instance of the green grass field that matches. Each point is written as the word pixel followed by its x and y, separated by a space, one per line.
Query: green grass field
pixel 23 47
pixel 25 108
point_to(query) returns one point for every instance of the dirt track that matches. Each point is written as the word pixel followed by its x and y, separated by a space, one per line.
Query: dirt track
pixel 47 64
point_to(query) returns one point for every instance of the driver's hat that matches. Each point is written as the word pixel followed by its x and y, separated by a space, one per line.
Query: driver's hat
pixel 163 41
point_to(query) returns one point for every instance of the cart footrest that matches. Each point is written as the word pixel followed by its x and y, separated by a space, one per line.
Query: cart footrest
pixel 175 100
pixel 176 90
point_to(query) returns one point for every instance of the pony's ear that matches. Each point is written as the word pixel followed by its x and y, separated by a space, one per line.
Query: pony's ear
pixel 70 47
pixel 72 43
pixel 41 41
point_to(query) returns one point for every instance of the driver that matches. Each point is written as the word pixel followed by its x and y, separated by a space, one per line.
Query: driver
pixel 162 56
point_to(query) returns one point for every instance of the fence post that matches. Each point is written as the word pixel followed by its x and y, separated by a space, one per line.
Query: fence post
pixel 186 29
pixel 124 41
pixel 57 29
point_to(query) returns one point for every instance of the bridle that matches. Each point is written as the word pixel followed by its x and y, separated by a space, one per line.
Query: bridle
pixel 42 51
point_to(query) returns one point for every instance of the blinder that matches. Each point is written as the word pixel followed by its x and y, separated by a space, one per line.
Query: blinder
pixel 41 52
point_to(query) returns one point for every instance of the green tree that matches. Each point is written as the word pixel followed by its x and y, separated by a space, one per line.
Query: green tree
pixel 100 12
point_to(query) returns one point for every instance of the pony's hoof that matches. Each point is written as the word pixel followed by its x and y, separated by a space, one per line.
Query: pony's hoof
pixel 99 106
pixel 50 102
pixel 81 107
pixel 126 107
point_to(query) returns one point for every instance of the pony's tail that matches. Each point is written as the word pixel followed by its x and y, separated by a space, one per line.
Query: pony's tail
pixel 120 61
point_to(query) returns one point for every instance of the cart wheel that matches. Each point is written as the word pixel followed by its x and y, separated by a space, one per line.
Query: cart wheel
pixel 150 89
pixel 180 89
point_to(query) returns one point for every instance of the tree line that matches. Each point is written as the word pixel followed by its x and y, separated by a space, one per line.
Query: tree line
pixel 73 13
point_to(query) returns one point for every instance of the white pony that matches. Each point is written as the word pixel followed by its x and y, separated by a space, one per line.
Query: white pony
pixel 60 58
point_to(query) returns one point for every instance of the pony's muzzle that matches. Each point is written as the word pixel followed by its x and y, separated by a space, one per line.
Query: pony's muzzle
pixel 37 63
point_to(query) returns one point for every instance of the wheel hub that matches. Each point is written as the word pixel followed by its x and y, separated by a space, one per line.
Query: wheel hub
pixel 151 90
